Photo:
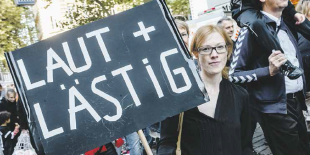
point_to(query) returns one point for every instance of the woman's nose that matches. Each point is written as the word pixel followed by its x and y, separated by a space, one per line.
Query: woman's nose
pixel 213 53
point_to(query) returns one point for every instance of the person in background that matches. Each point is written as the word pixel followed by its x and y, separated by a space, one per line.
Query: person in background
pixel 184 31
pixel 8 103
pixel 220 126
pixel 7 135
pixel 247 14
pixel 133 144
pixel 227 25
pixel 303 7
pixel 277 100
pixel 2 92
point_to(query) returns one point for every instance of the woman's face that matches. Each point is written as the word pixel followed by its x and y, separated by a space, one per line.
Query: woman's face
pixel 213 63
pixel 308 15
pixel 184 36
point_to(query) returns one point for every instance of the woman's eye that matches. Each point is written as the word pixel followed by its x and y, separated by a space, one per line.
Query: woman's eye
pixel 206 49
pixel 220 47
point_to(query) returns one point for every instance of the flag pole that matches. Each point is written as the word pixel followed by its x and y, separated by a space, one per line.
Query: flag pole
pixel 145 143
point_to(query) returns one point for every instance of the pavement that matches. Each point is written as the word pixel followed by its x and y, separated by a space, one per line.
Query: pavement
pixel 259 143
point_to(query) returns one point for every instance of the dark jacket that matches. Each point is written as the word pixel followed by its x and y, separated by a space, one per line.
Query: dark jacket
pixel 304 46
pixel 228 133
pixel 244 12
pixel 11 107
pixel 250 65
pixel 239 6
pixel 7 136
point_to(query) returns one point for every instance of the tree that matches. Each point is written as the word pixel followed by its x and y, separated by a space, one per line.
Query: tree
pixel 11 27
pixel 86 11
pixel 93 10
pixel 179 7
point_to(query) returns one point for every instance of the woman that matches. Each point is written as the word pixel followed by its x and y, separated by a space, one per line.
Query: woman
pixel 222 125
pixel 303 7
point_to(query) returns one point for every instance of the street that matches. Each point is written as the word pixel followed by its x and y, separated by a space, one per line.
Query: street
pixel 259 142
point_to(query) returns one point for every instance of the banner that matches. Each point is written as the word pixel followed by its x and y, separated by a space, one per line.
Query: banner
pixel 101 81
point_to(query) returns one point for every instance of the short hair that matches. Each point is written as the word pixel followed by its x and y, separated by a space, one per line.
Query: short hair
pixel 10 91
pixel 303 7
pixel 182 25
pixel 225 18
pixel 4 116
pixel 200 36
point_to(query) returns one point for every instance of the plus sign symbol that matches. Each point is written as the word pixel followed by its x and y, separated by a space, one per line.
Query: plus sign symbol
pixel 144 31
pixel 90 85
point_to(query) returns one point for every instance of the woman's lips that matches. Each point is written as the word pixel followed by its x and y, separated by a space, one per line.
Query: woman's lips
pixel 214 63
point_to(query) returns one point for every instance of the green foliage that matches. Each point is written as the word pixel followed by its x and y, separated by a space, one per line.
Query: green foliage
pixel 10 27
pixel 179 7
pixel 94 10
pixel 30 31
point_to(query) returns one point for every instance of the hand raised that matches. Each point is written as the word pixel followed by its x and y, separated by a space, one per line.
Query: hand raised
pixel 276 60
pixel 299 18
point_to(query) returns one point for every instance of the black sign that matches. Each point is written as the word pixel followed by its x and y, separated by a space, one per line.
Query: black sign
pixel 96 83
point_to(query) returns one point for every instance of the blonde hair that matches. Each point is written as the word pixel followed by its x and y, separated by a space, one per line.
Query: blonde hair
pixel 182 25
pixel 201 35
pixel 303 7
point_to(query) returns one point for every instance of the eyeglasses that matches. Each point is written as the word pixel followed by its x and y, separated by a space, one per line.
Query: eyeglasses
pixel 207 50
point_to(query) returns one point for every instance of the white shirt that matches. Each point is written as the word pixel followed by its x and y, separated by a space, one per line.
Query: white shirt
pixel 288 47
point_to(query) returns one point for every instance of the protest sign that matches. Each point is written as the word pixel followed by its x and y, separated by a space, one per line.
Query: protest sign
pixel 101 81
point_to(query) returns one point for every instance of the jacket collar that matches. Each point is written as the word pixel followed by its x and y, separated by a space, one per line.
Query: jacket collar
pixel 273 18
pixel 268 21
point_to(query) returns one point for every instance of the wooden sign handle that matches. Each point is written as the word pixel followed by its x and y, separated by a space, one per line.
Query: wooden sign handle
pixel 145 143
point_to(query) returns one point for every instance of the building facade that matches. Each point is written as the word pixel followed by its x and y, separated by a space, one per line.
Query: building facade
pixel 48 15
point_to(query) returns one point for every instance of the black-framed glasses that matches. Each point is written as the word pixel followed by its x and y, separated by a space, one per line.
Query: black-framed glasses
pixel 207 50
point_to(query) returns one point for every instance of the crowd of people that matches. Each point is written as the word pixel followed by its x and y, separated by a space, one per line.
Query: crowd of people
pixel 267 67
pixel 10 114
pixel 262 77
